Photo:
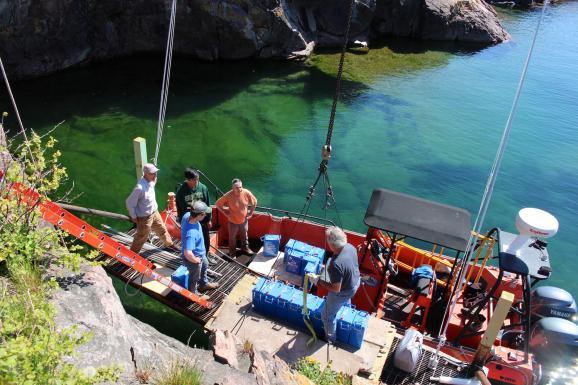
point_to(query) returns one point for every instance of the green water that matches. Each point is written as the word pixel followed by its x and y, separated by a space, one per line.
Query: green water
pixel 413 117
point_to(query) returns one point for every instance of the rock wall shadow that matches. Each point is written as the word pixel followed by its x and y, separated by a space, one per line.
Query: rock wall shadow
pixel 133 85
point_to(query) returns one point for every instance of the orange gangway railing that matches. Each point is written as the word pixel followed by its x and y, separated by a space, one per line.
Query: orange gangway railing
pixel 78 228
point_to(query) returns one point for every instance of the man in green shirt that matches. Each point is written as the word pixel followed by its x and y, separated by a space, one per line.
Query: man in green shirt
pixel 190 191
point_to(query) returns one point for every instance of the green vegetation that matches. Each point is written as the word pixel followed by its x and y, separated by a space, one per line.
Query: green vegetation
pixel 32 350
pixel 382 61
pixel 179 373
pixel 311 369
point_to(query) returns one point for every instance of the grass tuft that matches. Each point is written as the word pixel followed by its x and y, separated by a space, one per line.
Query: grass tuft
pixel 179 373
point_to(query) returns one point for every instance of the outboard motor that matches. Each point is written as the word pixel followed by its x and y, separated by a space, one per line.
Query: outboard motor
pixel 554 339
pixel 550 301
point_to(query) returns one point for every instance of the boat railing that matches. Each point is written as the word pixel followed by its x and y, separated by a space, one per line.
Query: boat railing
pixel 486 245
pixel 286 213
pixel 296 216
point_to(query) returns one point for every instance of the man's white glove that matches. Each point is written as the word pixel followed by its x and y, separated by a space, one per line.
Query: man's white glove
pixel 313 278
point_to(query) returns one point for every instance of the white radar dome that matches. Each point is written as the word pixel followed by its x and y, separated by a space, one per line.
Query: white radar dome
pixel 536 223
pixel 532 223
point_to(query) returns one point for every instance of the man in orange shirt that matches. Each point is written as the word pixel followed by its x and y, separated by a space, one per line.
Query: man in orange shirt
pixel 238 206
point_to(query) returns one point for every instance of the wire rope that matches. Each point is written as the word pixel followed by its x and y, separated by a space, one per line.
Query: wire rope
pixel 166 81
pixel 487 196
pixel 13 100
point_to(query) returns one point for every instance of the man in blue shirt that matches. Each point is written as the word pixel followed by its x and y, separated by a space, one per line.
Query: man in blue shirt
pixel 344 278
pixel 193 252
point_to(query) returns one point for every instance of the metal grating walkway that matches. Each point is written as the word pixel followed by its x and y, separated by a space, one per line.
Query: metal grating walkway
pixel 393 376
pixel 227 275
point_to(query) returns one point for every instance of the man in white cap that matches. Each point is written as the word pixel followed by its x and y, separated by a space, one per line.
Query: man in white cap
pixel 193 253
pixel 143 210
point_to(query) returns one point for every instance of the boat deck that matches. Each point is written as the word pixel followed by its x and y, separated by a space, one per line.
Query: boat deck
pixel 237 316
pixel 233 311
pixel 422 374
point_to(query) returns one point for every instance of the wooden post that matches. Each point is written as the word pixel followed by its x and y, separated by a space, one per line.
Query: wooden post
pixel 494 326
pixel 140 155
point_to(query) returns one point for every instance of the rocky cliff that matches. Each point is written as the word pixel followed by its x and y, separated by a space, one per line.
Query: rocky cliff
pixel 38 37
pixel 88 300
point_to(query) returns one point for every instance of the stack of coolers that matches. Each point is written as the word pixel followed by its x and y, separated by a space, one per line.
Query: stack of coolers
pixel 278 300
pixel 301 258
pixel 284 302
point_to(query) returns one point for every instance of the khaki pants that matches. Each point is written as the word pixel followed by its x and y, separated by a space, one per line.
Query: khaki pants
pixel 241 230
pixel 144 225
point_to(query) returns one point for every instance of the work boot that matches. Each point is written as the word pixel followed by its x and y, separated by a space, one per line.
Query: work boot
pixel 203 296
pixel 248 251
pixel 208 286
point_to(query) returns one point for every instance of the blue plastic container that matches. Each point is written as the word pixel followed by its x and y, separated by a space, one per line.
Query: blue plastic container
pixel 310 267
pixel 270 299
pixel 259 294
pixel 317 253
pixel 315 306
pixel 293 263
pixel 358 328
pixel 310 259
pixel 295 307
pixel 181 276
pixel 345 318
pixel 283 301
pixel 271 245
pixel 295 251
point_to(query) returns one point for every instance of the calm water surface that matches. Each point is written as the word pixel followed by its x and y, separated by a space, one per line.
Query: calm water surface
pixel 430 131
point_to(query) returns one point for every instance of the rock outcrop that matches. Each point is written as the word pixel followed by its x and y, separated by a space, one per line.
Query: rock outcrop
pixel 88 300
pixel 449 20
pixel 44 36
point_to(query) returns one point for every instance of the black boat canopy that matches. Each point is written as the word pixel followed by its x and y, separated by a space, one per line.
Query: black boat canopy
pixel 418 218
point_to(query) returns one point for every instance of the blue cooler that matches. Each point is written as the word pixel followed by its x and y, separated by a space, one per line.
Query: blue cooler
pixel 283 301
pixel 315 306
pixel 358 328
pixel 295 251
pixel 310 267
pixel 318 253
pixel 295 315
pixel 345 318
pixel 181 276
pixel 270 299
pixel 259 293
pixel 271 245
pixel 314 264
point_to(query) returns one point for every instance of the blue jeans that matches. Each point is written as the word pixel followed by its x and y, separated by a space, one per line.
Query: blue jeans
pixel 197 273
pixel 331 306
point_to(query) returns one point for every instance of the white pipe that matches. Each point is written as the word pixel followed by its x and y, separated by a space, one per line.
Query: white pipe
pixel 456 381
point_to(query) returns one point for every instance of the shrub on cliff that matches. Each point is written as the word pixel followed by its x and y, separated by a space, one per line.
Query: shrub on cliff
pixel 32 351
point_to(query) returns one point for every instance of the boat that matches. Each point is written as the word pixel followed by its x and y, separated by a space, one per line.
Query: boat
pixel 388 256
pixel 457 302
pixel 387 259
